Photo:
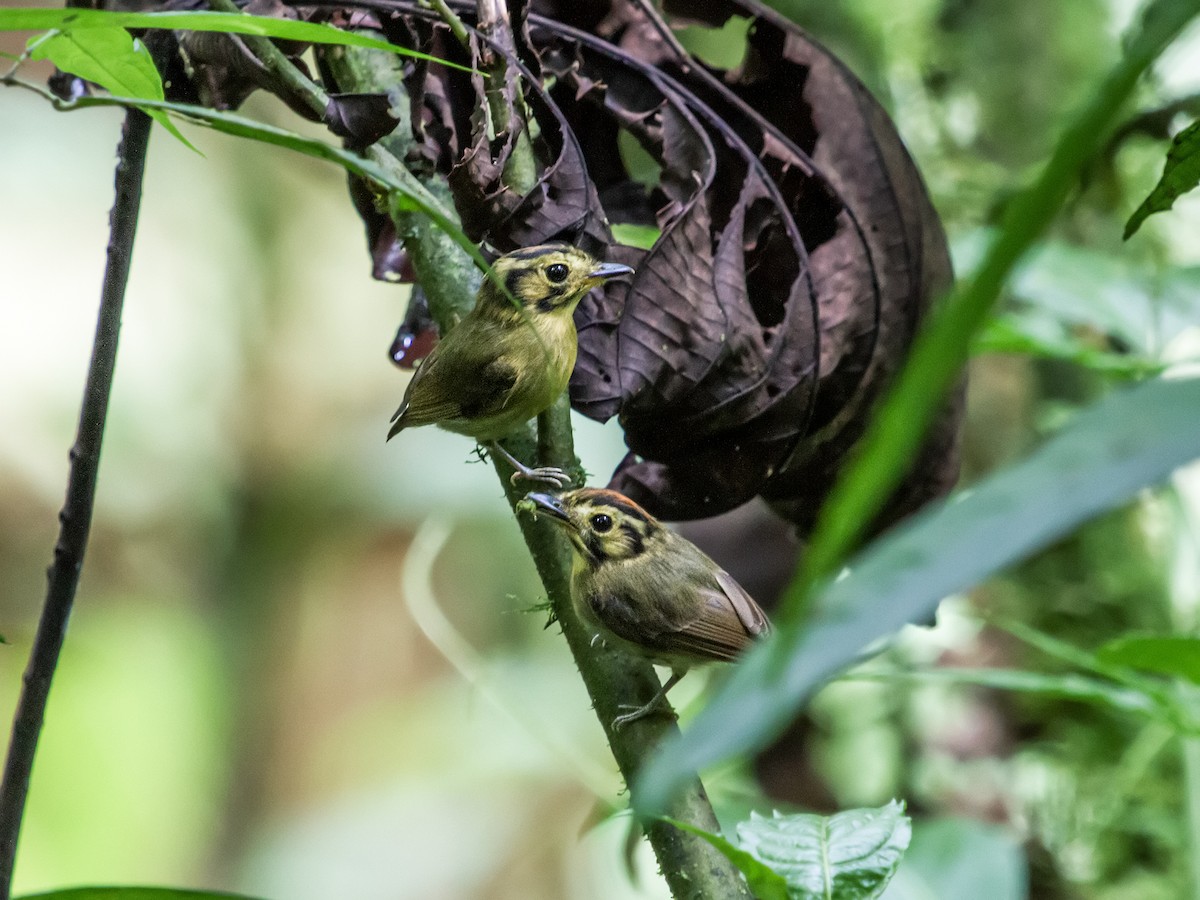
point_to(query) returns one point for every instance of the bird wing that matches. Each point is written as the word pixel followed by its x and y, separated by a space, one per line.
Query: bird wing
pixel 716 631
pixel 467 381
pixel 753 619
pixel 721 621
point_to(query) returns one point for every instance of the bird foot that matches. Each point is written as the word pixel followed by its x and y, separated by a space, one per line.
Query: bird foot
pixel 654 708
pixel 551 475
pixel 546 474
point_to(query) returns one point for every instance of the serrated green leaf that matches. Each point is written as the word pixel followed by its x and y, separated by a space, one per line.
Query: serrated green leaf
pixel 133 893
pixel 229 23
pixel 1129 440
pixel 765 883
pixel 1181 174
pixel 848 856
pixel 110 57
pixel 1171 655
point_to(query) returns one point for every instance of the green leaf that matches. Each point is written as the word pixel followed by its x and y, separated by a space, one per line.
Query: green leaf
pixel 133 893
pixel 953 858
pixel 1129 440
pixel 1172 655
pixel 231 23
pixel 112 58
pixel 940 351
pixel 765 883
pixel 1068 686
pixel 1181 174
pixel 1034 334
pixel 848 856
pixel 642 236
pixel 1063 288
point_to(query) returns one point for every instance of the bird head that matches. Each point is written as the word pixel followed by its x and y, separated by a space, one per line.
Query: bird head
pixel 551 278
pixel 602 524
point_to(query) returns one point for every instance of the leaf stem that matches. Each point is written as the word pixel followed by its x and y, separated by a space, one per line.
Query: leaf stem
pixel 76 515
pixel 450 17
pixel 292 85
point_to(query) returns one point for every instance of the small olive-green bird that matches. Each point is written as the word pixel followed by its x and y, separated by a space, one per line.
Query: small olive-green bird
pixel 502 364
pixel 649 590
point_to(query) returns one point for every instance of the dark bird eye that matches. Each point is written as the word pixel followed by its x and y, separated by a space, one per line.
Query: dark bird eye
pixel 602 523
pixel 557 273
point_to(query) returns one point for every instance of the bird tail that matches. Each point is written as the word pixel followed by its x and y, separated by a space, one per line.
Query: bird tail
pixel 398 422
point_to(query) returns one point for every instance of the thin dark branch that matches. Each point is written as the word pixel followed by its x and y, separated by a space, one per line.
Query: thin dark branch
pixel 76 515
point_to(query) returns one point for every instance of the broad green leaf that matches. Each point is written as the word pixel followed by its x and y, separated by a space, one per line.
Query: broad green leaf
pixel 1129 440
pixel 133 893
pixel 1180 175
pixel 1041 336
pixel 1172 655
pixel 1060 288
pixel 230 23
pixel 848 856
pixel 765 883
pixel 937 356
pixel 112 58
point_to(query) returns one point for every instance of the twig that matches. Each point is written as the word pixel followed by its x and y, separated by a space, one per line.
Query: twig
pixel 76 515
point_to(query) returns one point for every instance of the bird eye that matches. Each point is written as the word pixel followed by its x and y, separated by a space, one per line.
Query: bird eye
pixel 557 273
pixel 602 523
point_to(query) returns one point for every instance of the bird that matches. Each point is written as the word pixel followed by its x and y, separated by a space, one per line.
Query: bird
pixel 647 589
pixel 507 361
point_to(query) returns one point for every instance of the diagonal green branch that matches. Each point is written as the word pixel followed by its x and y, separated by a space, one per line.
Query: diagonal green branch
pixel 614 681
pixel 76 515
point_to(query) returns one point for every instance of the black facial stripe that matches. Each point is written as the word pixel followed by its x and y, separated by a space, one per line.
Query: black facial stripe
pixel 637 544
pixel 534 252
pixel 512 279
pixel 629 510
pixel 550 301
pixel 595 549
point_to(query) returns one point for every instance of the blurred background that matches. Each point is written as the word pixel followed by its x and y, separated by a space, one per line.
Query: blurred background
pixel 308 664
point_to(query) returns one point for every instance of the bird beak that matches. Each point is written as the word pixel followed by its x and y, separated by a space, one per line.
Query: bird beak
pixel 605 271
pixel 550 507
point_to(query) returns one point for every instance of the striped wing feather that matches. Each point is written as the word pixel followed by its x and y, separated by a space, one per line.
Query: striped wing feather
pixel 721 622
pixel 464 384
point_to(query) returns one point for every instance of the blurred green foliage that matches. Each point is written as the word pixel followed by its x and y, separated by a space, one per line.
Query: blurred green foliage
pixel 245 700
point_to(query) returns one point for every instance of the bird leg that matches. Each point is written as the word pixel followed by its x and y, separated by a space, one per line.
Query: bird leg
pixel 548 474
pixel 649 709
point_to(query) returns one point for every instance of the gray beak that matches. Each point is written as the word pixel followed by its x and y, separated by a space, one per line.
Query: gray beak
pixel 605 271
pixel 549 506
